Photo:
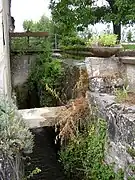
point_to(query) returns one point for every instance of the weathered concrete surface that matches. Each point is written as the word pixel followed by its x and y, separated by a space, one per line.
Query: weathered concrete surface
pixel 20 68
pixel 41 117
pixel 120 148
pixel 130 70
pixel 98 66
pixel 130 53
pixel 129 63
pixel 104 74
pixel 127 60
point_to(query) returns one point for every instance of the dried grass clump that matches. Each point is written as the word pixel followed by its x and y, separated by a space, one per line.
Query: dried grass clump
pixel 71 119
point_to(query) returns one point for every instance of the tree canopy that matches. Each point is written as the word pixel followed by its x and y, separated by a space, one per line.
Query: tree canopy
pixel 78 14
pixel 44 24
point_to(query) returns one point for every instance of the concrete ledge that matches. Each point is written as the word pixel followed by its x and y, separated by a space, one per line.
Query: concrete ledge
pixel 40 117
pixel 130 53
pixel 127 60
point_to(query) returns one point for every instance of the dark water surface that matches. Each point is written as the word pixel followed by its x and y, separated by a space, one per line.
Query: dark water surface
pixel 44 156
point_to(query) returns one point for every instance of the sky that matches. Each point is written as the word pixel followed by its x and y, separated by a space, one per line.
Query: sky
pixel 28 9
pixel 33 9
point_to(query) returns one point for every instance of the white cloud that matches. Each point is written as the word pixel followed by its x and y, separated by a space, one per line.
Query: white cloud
pixel 28 9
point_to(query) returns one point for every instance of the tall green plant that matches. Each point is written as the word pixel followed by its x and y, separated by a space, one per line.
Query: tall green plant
pixel 15 139
pixel 83 158
pixel 46 75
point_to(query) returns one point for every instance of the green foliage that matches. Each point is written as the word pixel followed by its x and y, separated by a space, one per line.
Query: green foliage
pixel 28 25
pixel 46 75
pixel 19 44
pixel 76 15
pixel 83 158
pixel 126 11
pixel 34 172
pixel 14 134
pixel 129 47
pixel 34 43
pixel 71 41
pixel 129 36
pixel 15 139
pixel 131 151
pixel 44 24
pixel 107 40
pixel 71 16
pixel 121 94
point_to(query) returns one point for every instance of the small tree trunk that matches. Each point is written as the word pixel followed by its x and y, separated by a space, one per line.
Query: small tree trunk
pixel 117 30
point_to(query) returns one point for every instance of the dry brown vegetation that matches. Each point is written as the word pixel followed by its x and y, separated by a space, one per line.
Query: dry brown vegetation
pixel 130 99
pixel 71 119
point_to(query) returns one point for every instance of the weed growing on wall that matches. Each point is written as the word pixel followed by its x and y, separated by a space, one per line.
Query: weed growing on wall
pixel 46 76
pixel 121 94
pixel 83 158
pixel 70 120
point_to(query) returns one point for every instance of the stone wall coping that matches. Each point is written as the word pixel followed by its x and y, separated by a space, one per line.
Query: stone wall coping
pixel 102 58
pixel 105 100
pixel 40 117
pixel 127 60
pixel 74 63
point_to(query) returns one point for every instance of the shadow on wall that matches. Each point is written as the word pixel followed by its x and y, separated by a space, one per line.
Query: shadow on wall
pixel 20 68
pixel 26 99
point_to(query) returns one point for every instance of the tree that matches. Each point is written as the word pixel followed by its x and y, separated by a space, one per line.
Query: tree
pixel 69 16
pixel 44 24
pixel 79 14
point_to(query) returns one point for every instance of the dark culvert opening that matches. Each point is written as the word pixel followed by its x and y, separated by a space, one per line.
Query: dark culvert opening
pixel 45 151
pixel 45 156
pixel 25 98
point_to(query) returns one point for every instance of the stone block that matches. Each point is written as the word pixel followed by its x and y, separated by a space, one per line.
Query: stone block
pixel 120 145
pixel 40 117
pixel 130 69
pixel 76 80
pixel 104 74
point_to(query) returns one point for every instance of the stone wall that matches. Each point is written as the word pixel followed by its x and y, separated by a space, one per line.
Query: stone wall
pixel 20 69
pixel 106 74
pixel 120 148
pixel 74 84
pixel 130 53
pixel 76 78
pixel 129 66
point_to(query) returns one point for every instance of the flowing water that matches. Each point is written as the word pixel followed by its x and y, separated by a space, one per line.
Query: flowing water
pixel 45 156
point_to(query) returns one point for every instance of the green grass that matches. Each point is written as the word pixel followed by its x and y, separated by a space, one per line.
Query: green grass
pixel 129 46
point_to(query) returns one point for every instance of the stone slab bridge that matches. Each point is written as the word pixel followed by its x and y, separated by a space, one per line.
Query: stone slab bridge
pixel 41 117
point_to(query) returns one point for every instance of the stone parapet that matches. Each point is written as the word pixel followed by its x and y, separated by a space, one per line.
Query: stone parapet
pixel 104 74
pixel 120 145
pixel 40 117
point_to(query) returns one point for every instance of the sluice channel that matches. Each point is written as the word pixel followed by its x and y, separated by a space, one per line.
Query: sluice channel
pixel 45 156
pixel 45 151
